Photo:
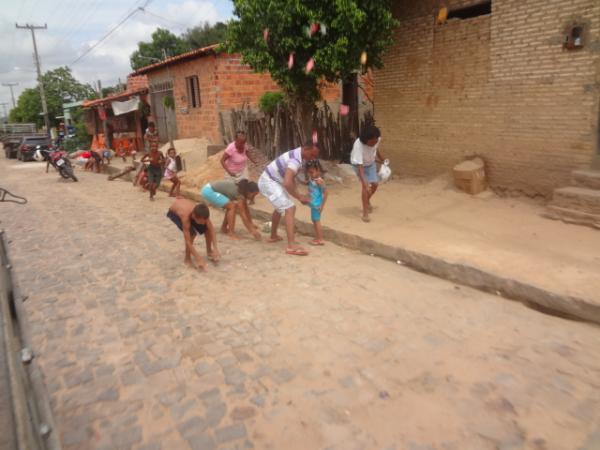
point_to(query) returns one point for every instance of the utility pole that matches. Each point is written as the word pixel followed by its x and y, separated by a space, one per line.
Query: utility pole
pixel 4 105
pixel 12 94
pixel 32 28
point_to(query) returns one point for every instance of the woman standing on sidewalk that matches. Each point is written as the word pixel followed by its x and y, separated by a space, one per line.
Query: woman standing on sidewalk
pixel 235 158
pixel 365 154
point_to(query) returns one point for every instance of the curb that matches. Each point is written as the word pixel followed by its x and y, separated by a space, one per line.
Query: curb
pixel 549 302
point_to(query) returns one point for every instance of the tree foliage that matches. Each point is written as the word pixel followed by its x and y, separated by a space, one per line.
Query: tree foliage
pixel 206 34
pixel 149 52
pixel 60 87
pixel 347 29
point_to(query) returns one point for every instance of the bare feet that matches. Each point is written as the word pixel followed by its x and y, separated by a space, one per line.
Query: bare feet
pixel 188 262
pixel 232 236
pixel 274 239
pixel 317 242
pixel 370 208
pixel 366 218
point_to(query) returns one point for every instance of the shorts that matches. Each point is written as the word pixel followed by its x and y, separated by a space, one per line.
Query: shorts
pixel 275 193
pixel 154 175
pixel 169 174
pixel 96 156
pixel 370 173
pixel 315 213
pixel 213 197
pixel 195 228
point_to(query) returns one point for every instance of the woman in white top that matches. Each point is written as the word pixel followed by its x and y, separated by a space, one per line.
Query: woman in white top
pixel 365 154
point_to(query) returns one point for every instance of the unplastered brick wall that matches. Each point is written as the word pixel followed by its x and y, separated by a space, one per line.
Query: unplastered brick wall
pixel 500 86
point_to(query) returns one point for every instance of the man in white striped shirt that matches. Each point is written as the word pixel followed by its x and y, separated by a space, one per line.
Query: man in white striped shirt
pixel 278 183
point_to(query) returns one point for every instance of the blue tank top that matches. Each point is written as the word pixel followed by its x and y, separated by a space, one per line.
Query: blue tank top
pixel 316 194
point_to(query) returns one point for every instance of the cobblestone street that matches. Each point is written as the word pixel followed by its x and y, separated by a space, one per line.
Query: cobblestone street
pixel 337 350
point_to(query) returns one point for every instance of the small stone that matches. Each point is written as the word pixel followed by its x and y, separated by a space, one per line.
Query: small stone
pixel 242 412
pixel 202 368
pixel 258 400
pixel 230 433
pixel 111 394
pixel 215 414
pixel 202 441
pixel 211 396
pixel 192 427
pixel 263 350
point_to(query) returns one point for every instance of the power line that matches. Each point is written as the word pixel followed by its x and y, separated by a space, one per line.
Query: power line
pixel 105 36
pixel 163 18
pixel 127 17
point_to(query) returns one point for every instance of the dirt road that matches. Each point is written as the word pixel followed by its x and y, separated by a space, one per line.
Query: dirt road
pixel 336 350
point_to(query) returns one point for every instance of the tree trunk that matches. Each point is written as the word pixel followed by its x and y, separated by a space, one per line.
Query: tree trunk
pixel 350 122
pixel 303 119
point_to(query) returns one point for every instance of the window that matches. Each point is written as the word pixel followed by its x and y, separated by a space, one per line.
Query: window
pixel 480 9
pixel 193 92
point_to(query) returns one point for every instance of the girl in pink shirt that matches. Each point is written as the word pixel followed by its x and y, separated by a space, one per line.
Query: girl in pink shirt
pixel 235 157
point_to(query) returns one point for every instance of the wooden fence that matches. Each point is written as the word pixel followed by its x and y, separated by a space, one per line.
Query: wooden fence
pixel 276 133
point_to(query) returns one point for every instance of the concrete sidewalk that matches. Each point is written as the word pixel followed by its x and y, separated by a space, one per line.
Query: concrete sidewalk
pixel 497 244
pixel 500 245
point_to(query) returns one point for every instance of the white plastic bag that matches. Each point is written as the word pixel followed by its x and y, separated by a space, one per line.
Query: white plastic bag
pixel 384 171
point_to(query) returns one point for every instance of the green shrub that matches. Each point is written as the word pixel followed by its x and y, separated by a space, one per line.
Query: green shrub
pixel 269 101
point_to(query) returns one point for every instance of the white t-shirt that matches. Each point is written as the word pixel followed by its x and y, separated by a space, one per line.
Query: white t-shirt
pixel 363 154
pixel 289 160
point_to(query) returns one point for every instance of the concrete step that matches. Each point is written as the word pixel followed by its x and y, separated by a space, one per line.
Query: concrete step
pixel 580 199
pixel 588 178
pixel 572 216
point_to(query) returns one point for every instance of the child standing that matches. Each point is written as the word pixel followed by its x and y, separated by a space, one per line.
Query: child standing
pixel 171 172
pixel 318 196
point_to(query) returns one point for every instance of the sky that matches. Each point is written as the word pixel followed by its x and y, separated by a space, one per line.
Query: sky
pixel 76 25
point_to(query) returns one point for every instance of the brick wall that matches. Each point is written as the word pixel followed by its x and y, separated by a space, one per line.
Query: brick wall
pixel 500 86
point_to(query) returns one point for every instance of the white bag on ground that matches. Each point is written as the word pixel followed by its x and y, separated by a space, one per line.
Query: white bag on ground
pixel 384 171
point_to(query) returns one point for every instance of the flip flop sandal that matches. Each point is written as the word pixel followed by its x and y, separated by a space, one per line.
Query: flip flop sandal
pixel 296 251
pixel 316 242
pixel 273 240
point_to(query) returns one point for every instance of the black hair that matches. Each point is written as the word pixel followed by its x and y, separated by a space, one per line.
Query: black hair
pixel 314 163
pixel 247 187
pixel 151 124
pixel 201 210
pixel 368 133
pixel 238 132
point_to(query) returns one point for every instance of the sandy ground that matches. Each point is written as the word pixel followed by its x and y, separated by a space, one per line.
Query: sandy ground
pixel 504 236
pixel 337 350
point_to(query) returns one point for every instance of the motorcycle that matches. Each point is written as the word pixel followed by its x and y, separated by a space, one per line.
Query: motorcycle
pixel 57 159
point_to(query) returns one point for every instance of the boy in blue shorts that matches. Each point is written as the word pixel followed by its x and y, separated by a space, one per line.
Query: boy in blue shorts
pixel 317 192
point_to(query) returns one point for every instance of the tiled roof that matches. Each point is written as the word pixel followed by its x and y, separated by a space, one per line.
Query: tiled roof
pixel 196 53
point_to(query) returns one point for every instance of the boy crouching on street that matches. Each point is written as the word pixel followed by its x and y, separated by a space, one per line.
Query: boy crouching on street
pixel 194 218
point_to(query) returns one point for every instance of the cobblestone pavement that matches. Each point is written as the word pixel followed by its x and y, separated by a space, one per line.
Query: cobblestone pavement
pixel 337 350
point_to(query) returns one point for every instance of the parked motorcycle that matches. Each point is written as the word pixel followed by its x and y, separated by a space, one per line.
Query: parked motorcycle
pixel 57 159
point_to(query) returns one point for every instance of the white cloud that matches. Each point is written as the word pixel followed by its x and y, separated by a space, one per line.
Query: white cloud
pixel 76 25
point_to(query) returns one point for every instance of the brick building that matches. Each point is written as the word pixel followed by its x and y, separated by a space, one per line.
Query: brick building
pixel 515 82
pixel 206 85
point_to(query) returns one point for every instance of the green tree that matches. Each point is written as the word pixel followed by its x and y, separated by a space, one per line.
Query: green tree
pixel 60 86
pixel 206 34
pixel 347 28
pixel 148 52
